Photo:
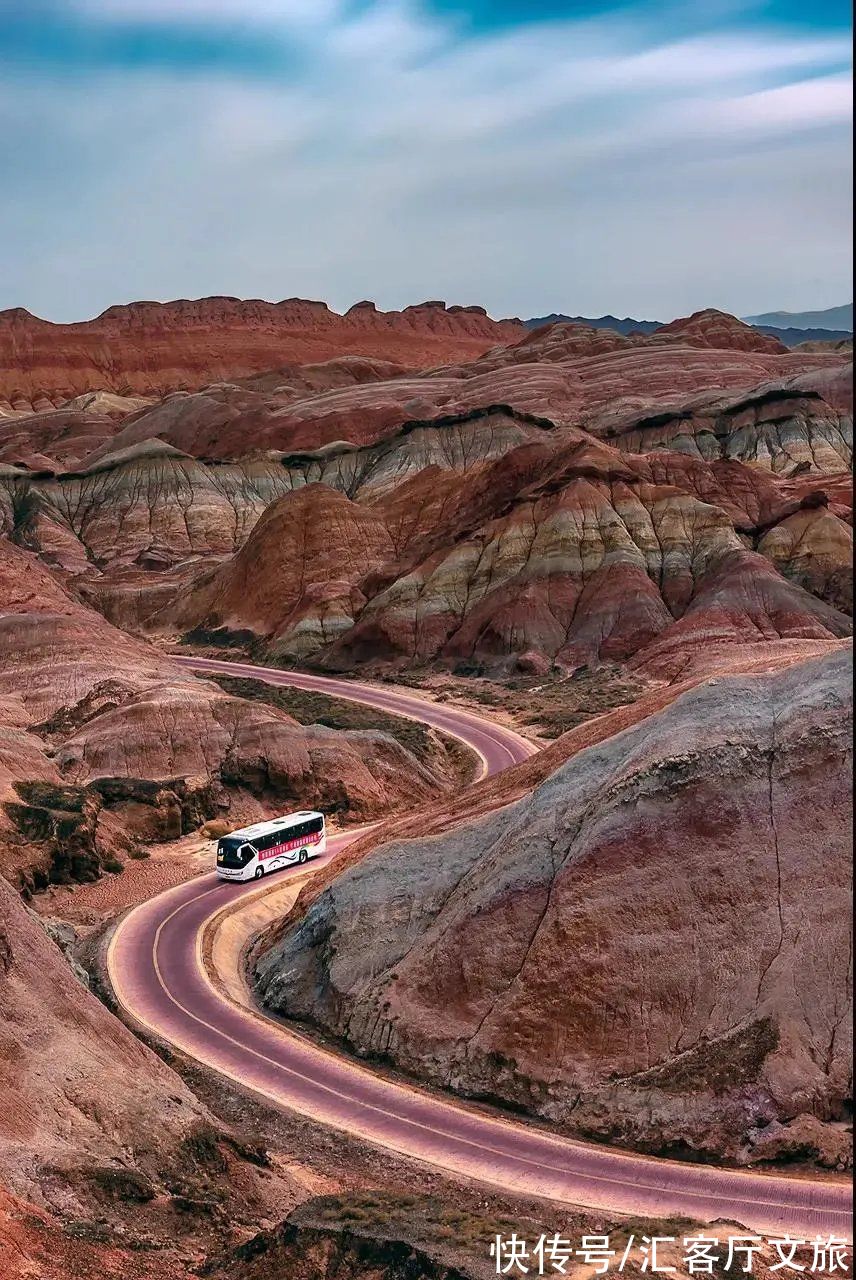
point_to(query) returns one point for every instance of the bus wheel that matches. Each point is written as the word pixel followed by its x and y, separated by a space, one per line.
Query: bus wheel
pixel 302 856
pixel 259 873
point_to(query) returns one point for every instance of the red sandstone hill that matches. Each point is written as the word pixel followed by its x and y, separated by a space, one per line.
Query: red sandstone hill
pixel 101 1130
pixel 557 552
pixel 566 373
pixel 712 328
pixel 154 347
pixel 568 498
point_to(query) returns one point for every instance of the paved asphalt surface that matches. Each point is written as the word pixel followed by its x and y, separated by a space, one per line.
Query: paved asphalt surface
pixel 155 967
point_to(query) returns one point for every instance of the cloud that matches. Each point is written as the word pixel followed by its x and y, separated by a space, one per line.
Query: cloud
pixel 802 105
pixel 594 164
pixel 267 12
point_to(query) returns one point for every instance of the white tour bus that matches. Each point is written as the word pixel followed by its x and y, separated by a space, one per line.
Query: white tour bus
pixel 268 846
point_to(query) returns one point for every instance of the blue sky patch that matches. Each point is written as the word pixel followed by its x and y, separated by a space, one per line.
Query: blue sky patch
pixel 643 158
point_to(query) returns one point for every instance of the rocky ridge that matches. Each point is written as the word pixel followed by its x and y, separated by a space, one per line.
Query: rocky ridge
pixel 565 554
pixel 152 347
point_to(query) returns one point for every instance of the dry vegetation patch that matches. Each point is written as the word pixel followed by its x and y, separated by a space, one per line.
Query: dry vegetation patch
pixel 438 751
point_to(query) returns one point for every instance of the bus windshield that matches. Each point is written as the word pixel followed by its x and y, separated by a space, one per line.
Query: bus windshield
pixel 233 853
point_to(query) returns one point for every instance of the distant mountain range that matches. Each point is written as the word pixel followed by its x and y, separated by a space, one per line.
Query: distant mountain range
pixel 840 318
pixel 625 326
pixel 793 337
pixel 833 325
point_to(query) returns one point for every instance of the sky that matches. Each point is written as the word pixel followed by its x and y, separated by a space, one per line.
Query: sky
pixel 639 157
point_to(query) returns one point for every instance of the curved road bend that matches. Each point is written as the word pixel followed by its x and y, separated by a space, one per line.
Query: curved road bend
pixel 155 968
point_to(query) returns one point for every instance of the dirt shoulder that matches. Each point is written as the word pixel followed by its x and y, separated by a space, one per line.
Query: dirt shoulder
pixel 88 905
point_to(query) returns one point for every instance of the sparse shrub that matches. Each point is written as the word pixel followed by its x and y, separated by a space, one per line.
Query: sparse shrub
pixel 25 509
pixel 124 1184
pixel 355 1213
pixel 487 697
pixel 468 667
pixel 216 828
pixel 203 1147
pixel 113 865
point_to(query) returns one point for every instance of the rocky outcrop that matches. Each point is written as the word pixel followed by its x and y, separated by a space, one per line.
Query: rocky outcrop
pixel 557 343
pixel 226 422
pixel 109 1165
pixel 809 538
pixel 784 428
pixel 561 385
pixel 578 497
pixel 741 600
pixel 570 374
pixel 62 438
pixel 814 547
pixel 150 507
pixel 650 948
pixel 151 347
pixel 316 546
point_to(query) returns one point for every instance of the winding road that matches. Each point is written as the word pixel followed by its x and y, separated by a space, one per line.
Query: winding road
pixel 156 968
